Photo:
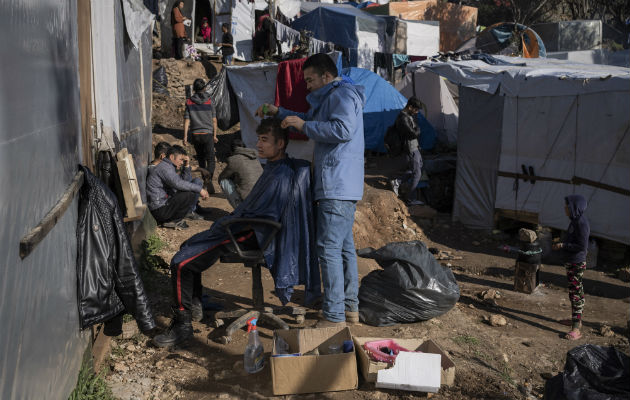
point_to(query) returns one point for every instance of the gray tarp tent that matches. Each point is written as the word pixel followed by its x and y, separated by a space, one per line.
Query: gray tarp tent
pixel 567 124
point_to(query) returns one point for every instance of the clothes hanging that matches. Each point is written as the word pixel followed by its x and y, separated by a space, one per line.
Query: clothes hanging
pixel 291 90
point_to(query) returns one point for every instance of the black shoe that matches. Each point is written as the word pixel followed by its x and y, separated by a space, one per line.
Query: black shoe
pixel 194 216
pixel 178 332
pixel 196 310
pixel 170 225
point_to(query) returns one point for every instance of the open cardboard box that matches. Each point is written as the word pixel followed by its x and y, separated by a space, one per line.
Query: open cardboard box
pixel 313 373
pixel 370 368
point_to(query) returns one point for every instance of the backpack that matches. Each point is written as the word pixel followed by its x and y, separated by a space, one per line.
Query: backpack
pixel 393 141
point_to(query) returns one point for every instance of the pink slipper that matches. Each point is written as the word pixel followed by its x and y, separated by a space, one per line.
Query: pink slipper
pixel 573 335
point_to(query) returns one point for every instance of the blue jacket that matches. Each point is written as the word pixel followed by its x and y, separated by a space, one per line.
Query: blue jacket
pixel 164 181
pixel 335 123
pixel 575 244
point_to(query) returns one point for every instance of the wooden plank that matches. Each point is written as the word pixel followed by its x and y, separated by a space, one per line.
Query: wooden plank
pixel 100 349
pixel 37 234
pixel 139 214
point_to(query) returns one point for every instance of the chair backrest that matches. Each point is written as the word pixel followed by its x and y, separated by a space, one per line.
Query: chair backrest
pixel 249 255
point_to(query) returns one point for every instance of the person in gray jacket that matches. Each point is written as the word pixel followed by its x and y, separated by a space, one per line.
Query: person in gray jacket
pixel 171 197
pixel 242 171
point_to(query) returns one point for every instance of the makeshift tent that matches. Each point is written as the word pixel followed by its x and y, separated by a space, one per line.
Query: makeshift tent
pixel 619 58
pixel 506 38
pixel 362 34
pixel 457 22
pixel 255 84
pixel 70 86
pixel 531 134
pixel 239 14
pixel 570 35
pixel 439 97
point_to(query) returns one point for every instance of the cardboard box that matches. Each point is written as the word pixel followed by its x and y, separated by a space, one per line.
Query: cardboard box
pixel 313 373
pixel 370 368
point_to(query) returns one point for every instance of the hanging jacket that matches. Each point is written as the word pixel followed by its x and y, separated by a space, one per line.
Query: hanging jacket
pixel 108 280
pixel 335 123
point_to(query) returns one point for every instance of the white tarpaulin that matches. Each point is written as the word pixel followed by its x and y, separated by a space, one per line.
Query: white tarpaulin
pixel 423 38
pixel 564 123
pixel 253 85
pixel 243 29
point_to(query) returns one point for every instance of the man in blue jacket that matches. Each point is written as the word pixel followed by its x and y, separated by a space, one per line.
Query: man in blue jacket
pixel 335 123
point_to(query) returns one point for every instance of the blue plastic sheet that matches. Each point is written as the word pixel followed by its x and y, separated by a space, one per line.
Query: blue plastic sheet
pixel 383 104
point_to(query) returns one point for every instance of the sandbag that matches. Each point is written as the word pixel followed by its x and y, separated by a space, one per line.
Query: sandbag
pixel 592 372
pixel 160 81
pixel 224 100
pixel 411 287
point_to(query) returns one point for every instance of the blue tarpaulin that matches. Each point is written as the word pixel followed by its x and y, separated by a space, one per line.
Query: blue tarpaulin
pixel 382 106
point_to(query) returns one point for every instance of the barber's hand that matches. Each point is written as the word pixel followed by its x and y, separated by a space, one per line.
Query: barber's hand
pixel 293 121
pixel 269 108
pixel 204 194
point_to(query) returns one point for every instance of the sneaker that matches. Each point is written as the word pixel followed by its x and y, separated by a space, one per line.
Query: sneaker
pixel 181 225
pixel 194 216
pixel 170 225
pixel 395 184
pixel 352 317
pixel 324 323
pixel 415 203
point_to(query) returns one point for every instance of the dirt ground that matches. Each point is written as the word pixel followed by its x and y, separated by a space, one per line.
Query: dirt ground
pixel 505 362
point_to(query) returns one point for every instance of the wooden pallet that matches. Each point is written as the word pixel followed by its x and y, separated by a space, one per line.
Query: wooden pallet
pixel 129 183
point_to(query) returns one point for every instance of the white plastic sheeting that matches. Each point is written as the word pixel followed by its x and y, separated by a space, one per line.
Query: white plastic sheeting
pixel 566 121
pixel 253 85
pixel 41 347
pixel 137 20
pixel 243 29
pixel 432 90
pixel 423 38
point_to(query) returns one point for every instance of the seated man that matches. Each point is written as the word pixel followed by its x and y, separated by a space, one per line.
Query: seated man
pixel 159 153
pixel 282 194
pixel 241 173
pixel 171 197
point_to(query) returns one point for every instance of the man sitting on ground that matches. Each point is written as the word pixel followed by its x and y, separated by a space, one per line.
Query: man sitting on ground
pixel 241 173
pixel 282 194
pixel 170 197
pixel 159 153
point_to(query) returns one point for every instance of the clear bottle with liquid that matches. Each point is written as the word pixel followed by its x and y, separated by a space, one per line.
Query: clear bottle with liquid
pixel 254 357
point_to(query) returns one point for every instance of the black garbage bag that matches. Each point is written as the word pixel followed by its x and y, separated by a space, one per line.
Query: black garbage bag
pixel 224 100
pixel 160 81
pixel 411 287
pixel 592 372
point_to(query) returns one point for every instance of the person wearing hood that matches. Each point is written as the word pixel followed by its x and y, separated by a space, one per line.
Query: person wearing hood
pixel 335 123
pixel 200 119
pixel 575 246
pixel 241 173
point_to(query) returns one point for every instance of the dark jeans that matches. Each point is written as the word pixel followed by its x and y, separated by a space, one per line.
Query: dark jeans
pixel 413 174
pixel 204 147
pixel 178 47
pixel 176 207
pixel 186 276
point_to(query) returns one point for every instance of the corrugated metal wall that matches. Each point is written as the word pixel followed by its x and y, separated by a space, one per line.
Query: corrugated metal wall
pixel 40 344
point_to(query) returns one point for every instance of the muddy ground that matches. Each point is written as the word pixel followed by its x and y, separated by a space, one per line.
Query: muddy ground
pixel 505 362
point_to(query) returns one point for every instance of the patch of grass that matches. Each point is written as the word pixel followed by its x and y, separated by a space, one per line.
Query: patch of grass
pixel 118 351
pixel 149 249
pixel 506 373
pixel 127 317
pixel 466 339
pixel 91 386
pixel 481 355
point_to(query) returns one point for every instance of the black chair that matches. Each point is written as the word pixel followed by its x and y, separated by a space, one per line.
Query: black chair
pixel 254 259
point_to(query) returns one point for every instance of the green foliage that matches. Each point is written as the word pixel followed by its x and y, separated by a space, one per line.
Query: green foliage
pixel 149 258
pixel 506 374
pixel 466 339
pixel 91 386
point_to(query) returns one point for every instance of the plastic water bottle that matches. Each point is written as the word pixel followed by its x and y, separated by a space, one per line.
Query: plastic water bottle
pixel 253 359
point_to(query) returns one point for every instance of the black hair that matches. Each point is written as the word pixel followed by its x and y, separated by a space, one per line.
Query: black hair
pixel 414 102
pixel 175 150
pixel 321 63
pixel 161 148
pixel 199 85
pixel 237 143
pixel 226 26
pixel 177 4
pixel 272 125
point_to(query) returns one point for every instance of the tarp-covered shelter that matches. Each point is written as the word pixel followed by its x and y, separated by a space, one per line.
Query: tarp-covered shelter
pixel 570 35
pixel 457 22
pixel 506 38
pixel 440 98
pixel 71 85
pixel 534 132
pixel 255 84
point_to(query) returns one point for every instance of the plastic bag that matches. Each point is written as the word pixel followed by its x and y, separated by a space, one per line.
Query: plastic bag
pixel 411 287
pixel 224 100
pixel 160 81
pixel 592 372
